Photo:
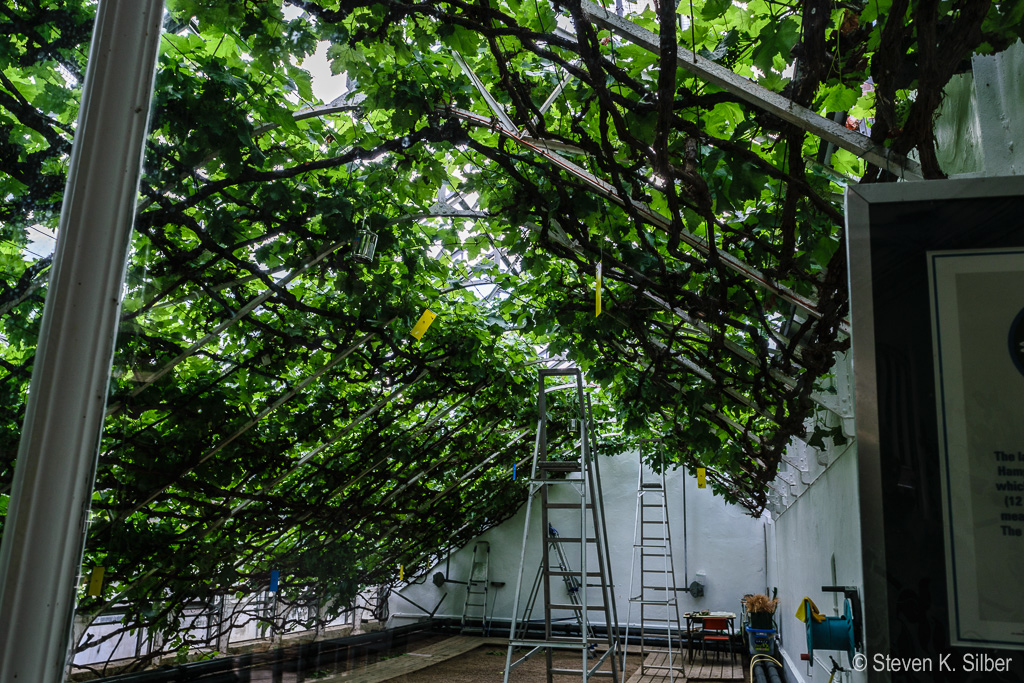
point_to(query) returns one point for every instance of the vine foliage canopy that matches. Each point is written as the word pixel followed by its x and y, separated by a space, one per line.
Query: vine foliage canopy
pixel 268 407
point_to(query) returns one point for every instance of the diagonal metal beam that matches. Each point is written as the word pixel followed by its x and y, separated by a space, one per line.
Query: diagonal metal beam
pixel 502 117
pixel 757 95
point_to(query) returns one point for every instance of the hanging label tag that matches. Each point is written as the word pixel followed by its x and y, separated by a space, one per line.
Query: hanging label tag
pixel 702 482
pixel 401 572
pixel 597 300
pixel 423 323
pixel 96 581
pixel 275 575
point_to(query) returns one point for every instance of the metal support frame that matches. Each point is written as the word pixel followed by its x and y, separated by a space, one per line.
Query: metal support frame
pixel 580 473
pixel 47 516
pixel 757 95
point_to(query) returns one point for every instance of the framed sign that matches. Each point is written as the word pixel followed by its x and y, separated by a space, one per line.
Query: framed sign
pixel 936 294
pixel 977 313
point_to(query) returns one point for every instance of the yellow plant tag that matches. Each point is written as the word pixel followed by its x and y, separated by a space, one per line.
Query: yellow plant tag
pixel 96 581
pixel 597 301
pixel 401 572
pixel 702 482
pixel 423 323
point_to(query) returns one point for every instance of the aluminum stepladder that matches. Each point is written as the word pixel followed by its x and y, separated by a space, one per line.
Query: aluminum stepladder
pixel 476 590
pixel 655 594
pixel 577 475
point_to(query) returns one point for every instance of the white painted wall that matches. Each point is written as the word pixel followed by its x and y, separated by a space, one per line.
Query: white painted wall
pixel 723 542
pixel 815 516
pixel 822 523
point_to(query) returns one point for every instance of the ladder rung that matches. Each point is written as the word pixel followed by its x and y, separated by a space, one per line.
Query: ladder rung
pixel 568 506
pixel 561 573
pixel 578 672
pixel 659 588
pixel 652 485
pixel 565 644
pixel 656 602
pixel 561 605
pixel 568 539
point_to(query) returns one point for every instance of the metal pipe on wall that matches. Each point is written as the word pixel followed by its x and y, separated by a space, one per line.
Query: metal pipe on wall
pixel 44 533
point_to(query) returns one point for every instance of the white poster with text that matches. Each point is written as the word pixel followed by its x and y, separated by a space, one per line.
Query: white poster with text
pixel 977 306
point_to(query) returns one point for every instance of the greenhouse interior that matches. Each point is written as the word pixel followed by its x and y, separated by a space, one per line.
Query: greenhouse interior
pixel 502 340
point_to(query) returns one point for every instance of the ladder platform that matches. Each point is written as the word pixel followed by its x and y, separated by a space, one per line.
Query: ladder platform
pixel 558 466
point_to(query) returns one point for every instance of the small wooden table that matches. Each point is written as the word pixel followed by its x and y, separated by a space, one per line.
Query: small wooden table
pixel 697 617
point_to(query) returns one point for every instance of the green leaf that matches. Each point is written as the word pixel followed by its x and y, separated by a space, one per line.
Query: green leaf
pixel 714 8
pixel 839 98
pixel 462 40
pixel 775 39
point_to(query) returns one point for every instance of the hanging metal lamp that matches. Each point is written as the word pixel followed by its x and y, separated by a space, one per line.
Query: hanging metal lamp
pixel 365 245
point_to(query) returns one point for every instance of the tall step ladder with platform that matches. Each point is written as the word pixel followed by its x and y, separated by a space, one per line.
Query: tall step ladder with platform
pixel 655 596
pixel 474 611
pixel 574 579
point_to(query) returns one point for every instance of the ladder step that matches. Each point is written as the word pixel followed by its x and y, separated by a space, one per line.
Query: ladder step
pixel 652 485
pixel 571 607
pixel 567 539
pixel 568 506
pixel 659 588
pixel 576 574
pixel 558 466
pixel 575 644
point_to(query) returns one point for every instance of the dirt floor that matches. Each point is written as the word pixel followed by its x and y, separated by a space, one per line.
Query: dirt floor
pixel 485 663
pixel 488 664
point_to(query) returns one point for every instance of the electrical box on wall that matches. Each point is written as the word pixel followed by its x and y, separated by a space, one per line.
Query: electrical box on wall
pixel 696 588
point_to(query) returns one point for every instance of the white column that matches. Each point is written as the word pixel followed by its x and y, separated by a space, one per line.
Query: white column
pixel 44 532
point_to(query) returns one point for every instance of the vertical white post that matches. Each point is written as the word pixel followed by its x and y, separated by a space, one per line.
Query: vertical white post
pixel 44 532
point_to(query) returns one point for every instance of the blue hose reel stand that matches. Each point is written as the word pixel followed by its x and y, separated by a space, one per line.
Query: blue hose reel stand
pixel 836 633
